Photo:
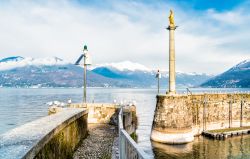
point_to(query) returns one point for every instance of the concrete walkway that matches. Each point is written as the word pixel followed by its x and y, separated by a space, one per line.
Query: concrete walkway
pixel 98 144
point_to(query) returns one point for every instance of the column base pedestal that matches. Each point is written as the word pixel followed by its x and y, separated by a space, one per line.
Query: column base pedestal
pixel 171 93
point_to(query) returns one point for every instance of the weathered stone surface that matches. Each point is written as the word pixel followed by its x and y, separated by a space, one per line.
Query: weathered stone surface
pixel 54 136
pixel 108 113
pixel 63 143
pixel 172 114
pixel 101 140
pixel 54 110
pixel 99 113
pixel 180 114
pixel 101 135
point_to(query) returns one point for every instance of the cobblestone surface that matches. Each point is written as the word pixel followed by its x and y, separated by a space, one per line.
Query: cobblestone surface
pixel 115 149
pixel 98 144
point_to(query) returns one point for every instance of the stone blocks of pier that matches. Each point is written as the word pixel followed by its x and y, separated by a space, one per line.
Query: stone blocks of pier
pixel 62 142
pixel 172 120
pixel 105 113
pixel 53 136
pixel 178 118
pixel 101 113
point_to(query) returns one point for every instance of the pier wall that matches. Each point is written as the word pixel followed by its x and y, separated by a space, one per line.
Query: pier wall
pixel 177 118
pixel 99 113
pixel 105 113
pixel 62 142
pixel 54 136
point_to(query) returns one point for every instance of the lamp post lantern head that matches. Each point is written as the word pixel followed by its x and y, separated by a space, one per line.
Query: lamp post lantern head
pixel 87 58
pixel 85 49
pixel 158 74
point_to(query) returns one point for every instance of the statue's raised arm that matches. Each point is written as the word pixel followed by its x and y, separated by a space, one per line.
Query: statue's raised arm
pixel 171 18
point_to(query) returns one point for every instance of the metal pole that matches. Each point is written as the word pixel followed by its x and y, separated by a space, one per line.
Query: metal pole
pixel 232 111
pixel 85 81
pixel 197 113
pixel 204 113
pixel 241 112
pixel 229 114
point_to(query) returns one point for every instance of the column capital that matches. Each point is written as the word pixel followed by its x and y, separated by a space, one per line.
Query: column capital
pixel 171 27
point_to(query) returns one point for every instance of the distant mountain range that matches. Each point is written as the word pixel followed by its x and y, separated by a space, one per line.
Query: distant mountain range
pixel 54 72
pixel 236 77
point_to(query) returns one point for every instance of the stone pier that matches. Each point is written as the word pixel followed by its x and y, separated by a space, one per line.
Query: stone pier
pixel 179 118
pixel 172 120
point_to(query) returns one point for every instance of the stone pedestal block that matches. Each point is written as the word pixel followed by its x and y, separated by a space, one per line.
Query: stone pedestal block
pixel 172 122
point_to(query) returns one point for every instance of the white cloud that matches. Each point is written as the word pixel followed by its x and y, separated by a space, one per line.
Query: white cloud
pixel 126 31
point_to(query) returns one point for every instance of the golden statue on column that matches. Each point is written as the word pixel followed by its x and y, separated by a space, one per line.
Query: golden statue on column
pixel 171 18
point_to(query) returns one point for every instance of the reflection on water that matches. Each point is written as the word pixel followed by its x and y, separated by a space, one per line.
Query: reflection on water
pixel 164 150
pixel 236 147
pixel 19 106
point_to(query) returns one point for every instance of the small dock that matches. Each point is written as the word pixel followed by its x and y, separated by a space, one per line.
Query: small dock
pixel 222 134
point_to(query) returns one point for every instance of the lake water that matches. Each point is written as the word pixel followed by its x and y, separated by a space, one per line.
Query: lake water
pixel 19 106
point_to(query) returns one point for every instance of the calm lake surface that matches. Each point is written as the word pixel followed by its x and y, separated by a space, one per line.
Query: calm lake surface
pixel 19 106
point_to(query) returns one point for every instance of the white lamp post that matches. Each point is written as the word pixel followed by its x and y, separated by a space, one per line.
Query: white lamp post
pixel 87 61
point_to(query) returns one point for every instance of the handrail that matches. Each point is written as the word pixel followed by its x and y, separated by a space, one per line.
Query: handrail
pixel 128 148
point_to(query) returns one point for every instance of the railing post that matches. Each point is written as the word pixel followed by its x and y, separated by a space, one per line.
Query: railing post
pixel 197 113
pixel 241 112
pixel 229 114
pixel 121 139
pixel 204 113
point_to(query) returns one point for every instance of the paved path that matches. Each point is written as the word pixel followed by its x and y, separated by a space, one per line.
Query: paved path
pixel 98 144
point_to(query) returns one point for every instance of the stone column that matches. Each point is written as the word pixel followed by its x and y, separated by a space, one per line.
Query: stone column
pixel 171 83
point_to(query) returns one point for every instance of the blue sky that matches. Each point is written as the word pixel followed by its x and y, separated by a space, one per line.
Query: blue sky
pixel 201 5
pixel 212 36
pixel 219 5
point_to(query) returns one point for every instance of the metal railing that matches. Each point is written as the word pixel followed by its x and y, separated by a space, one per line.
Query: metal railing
pixel 197 92
pixel 128 148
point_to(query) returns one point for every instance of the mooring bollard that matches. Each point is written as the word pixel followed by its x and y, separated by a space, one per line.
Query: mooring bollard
pixel 225 136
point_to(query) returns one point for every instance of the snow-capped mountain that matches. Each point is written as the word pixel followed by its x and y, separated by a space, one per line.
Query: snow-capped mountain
pixel 237 76
pixel 139 75
pixel 18 61
pixel 123 66
pixel 54 72
pixel 244 65
pixel 11 59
